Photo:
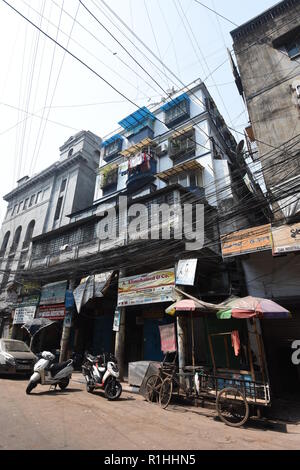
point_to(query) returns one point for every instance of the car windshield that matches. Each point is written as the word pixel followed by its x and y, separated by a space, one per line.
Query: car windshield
pixel 15 346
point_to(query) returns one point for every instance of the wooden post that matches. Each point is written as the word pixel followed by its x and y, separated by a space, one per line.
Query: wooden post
pixel 212 352
pixel 193 340
pixel 260 352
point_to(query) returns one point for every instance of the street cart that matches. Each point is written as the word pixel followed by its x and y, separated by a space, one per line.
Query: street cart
pixel 237 393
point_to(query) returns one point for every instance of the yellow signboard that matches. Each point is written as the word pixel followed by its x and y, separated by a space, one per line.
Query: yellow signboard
pixel 286 238
pixel 246 241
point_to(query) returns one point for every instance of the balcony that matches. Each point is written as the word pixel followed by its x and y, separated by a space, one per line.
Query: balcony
pixel 109 177
pixel 141 175
pixel 183 146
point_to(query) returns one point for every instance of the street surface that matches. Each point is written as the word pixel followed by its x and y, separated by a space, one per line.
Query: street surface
pixel 74 419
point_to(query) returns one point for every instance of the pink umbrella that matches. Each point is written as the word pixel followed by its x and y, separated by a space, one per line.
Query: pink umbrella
pixel 250 307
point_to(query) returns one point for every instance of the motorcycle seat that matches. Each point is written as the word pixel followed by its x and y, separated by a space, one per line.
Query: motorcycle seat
pixel 55 368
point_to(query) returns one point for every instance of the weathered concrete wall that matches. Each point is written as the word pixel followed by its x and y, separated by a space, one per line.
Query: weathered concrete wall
pixel 267 75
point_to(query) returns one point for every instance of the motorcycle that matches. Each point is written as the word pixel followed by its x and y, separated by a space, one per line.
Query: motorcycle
pixel 47 373
pixel 102 372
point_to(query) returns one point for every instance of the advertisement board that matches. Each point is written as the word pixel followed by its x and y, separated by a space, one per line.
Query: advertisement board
pixel 53 293
pixel 154 287
pixel 286 239
pixel 247 241
pixel 186 271
pixel 52 312
pixel 24 314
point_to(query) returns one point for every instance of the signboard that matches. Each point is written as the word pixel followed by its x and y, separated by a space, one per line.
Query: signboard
pixel 24 314
pixel 30 287
pixel 53 293
pixel 147 288
pixel 186 271
pixel 100 282
pixel 168 338
pixel 246 241
pixel 79 292
pixel 286 239
pixel 52 312
pixel 117 318
pixel 69 302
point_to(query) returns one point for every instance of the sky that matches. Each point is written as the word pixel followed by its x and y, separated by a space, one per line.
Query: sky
pixel 46 95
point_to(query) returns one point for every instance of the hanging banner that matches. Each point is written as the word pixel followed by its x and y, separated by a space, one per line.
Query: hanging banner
pixel 186 271
pixel 100 282
pixel 79 292
pixel 286 239
pixel 52 312
pixel 247 241
pixel 168 338
pixel 31 288
pixel 89 290
pixel 53 293
pixel 24 314
pixel 147 288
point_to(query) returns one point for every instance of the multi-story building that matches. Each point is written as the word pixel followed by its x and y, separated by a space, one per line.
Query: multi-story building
pixel 42 203
pixel 180 151
pixel 267 50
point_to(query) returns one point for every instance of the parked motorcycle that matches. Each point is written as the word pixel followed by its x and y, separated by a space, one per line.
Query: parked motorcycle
pixel 102 372
pixel 47 373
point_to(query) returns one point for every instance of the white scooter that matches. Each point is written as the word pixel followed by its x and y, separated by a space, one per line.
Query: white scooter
pixel 46 373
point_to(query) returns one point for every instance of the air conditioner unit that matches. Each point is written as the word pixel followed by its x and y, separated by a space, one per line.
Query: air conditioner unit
pixel 64 248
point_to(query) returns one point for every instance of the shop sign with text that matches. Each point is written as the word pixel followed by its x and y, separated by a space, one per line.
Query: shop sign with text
pixel 247 241
pixel 52 312
pixel 149 288
pixel 286 239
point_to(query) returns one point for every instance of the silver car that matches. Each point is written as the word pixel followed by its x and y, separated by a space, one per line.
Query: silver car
pixel 15 357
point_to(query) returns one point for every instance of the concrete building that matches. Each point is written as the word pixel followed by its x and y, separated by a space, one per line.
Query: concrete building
pixel 178 151
pixel 267 50
pixel 42 203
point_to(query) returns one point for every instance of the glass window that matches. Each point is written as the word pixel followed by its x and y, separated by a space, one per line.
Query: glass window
pixel 63 185
pixel 293 49
pixel 15 209
pixel 31 200
pixel 46 193
pixel 25 204
pixel 58 208
pixel 38 197
pixel 19 207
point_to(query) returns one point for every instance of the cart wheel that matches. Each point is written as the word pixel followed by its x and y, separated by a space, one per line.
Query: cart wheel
pixel 165 393
pixel 232 407
pixel 152 388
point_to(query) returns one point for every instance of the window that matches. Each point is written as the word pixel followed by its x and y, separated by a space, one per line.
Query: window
pixel 25 204
pixel 70 152
pixel 63 185
pixel 4 243
pixel 8 213
pixel 177 113
pixel 19 207
pixel 191 180
pixel 38 197
pixel 58 208
pixel 113 148
pixel 15 210
pixel 31 200
pixel 293 49
pixel 16 240
pixel 29 233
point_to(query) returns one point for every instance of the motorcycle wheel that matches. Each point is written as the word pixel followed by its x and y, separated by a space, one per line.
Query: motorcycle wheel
pixel 89 388
pixel 30 387
pixel 113 389
pixel 63 384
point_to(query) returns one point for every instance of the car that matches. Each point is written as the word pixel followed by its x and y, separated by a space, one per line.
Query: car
pixel 16 357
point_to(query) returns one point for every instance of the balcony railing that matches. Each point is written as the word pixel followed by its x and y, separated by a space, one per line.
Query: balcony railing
pixel 141 175
pixel 181 147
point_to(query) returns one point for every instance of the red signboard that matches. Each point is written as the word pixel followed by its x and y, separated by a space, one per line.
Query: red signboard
pixel 52 312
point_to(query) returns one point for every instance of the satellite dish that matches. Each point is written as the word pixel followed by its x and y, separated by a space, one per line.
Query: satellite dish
pixel 240 147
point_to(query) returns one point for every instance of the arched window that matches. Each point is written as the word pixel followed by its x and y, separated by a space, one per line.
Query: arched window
pixel 4 243
pixel 16 240
pixel 29 233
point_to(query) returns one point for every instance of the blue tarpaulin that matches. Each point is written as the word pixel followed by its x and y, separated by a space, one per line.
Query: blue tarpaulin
pixel 111 140
pixel 137 118
pixel 175 102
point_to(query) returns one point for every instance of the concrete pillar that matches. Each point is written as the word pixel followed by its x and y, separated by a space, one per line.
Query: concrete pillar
pixel 120 343
pixel 66 332
pixel 181 340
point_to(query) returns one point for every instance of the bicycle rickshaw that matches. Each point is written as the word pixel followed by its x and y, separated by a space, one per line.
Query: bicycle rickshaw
pixel 237 393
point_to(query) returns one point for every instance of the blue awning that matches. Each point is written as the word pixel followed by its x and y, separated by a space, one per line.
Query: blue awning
pixel 111 140
pixel 137 118
pixel 175 102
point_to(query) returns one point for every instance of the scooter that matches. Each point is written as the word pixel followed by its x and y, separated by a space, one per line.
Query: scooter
pixel 102 372
pixel 45 373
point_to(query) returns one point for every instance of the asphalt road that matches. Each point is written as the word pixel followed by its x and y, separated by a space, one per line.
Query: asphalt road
pixel 74 419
